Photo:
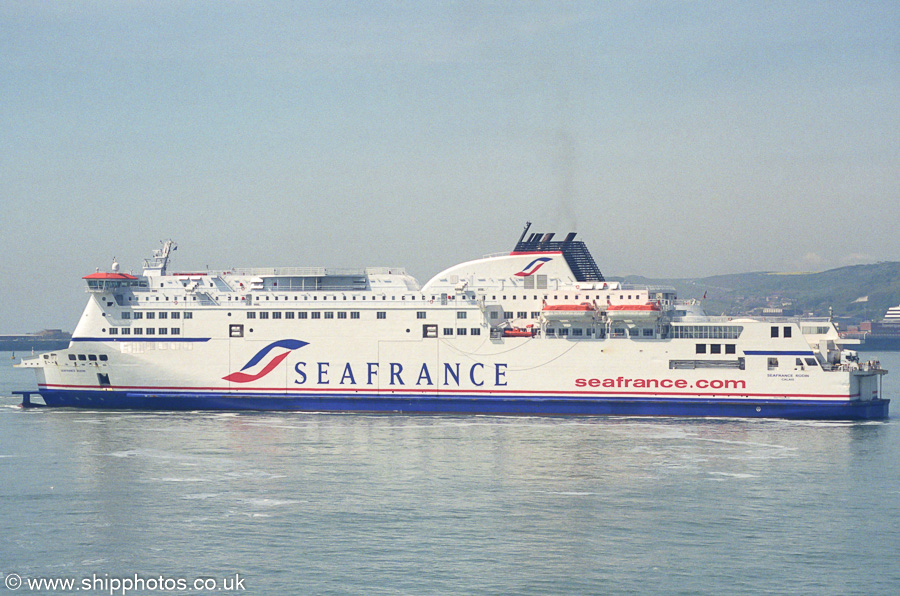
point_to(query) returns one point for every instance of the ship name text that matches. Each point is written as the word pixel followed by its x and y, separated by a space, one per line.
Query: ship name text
pixel 395 373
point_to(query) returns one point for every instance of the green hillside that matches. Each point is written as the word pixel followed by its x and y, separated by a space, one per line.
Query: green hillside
pixel 856 293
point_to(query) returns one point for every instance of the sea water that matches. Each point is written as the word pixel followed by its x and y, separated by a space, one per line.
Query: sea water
pixel 288 503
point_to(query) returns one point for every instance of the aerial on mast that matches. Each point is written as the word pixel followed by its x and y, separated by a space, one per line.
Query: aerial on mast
pixel 156 265
pixel 525 231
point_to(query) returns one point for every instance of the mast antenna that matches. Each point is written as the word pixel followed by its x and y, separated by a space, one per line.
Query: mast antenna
pixel 525 231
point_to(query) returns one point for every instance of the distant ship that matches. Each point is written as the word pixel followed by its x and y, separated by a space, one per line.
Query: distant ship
pixel 48 339
pixel 536 330
pixel 883 336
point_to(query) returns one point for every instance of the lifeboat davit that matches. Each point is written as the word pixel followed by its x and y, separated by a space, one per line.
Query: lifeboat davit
pixel 633 312
pixel 569 312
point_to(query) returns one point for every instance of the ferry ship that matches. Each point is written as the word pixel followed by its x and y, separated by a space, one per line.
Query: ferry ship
pixel 881 336
pixel 535 331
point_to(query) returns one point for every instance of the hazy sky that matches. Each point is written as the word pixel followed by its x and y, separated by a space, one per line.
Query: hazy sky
pixel 678 138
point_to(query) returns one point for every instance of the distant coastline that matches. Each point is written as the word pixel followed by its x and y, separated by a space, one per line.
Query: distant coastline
pixel 48 339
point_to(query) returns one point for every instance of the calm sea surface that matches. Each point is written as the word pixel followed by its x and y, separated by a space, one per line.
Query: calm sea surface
pixel 357 504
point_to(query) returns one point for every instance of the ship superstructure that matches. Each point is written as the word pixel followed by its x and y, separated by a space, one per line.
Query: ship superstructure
pixel 537 330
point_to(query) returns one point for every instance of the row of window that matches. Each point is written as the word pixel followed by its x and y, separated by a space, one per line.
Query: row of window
pixel 412 297
pixel 799 363
pixel 127 314
pixel 633 332
pixel 143 331
pixel 519 315
pixel 89 357
pixel 787 331
pixel 433 298
pixel 423 314
pixel 462 331
pixel 815 329
pixel 316 314
pixel 329 314
pixel 707 331
pixel 715 349
pixel 575 331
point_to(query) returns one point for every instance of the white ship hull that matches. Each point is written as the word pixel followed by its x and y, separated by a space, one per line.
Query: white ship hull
pixel 377 342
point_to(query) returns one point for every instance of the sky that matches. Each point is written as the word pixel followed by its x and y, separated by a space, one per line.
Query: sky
pixel 679 139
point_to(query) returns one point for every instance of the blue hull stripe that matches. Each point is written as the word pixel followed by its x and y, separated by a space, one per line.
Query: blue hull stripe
pixel 155 338
pixel 474 404
pixel 778 353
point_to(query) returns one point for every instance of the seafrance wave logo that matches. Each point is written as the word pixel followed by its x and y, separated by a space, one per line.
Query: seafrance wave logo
pixel 286 344
pixel 533 266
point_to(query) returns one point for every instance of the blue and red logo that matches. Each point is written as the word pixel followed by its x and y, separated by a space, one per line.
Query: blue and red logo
pixel 533 266
pixel 283 344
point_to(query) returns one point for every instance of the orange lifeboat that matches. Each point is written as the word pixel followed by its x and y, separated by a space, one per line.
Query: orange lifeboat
pixel 569 312
pixel 633 312
pixel 517 332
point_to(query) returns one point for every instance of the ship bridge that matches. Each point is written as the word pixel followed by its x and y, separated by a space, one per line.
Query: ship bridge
pixel 106 282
